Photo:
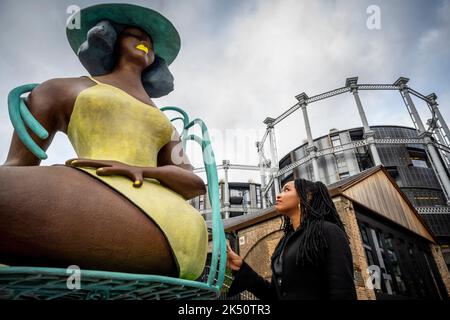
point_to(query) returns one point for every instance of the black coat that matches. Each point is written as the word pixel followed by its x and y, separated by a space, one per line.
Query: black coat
pixel 332 279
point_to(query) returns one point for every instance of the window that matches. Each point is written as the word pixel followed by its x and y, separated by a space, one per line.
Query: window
pixel 336 141
pixel 419 163
pixel 339 155
pixel 379 238
pixel 389 241
pixel 344 175
pixel 258 197
pixel 392 256
pixel 418 158
pixel 246 200
pixel 356 135
pixel 364 235
pixel 364 158
pixel 381 255
pixel 201 205
pixel 402 258
pixel 340 159
pixel 369 256
pixel 236 193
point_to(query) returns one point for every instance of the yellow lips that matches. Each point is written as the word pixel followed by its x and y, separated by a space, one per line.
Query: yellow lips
pixel 142 47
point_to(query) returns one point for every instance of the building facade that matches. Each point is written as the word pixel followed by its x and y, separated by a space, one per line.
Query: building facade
pixel 243 198
pixel 408 163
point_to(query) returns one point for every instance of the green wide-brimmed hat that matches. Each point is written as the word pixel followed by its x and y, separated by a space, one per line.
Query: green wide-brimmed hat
pixel 166 40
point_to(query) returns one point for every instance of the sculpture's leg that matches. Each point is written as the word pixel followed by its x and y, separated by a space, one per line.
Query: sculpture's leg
pixel 59 216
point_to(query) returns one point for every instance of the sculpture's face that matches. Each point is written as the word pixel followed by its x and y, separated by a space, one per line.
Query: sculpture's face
pixel 135 46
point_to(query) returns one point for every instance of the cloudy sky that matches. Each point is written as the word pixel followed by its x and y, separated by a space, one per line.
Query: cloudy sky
pixel 242 61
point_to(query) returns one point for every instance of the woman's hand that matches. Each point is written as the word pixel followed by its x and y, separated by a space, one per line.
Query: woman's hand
pixel 234 261
pixel 111 167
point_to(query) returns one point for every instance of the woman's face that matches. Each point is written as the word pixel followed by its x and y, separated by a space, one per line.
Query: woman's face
pixel 288 199
pixel 135 45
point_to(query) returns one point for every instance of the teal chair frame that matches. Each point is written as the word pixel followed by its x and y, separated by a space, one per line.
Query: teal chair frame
pixel 52 283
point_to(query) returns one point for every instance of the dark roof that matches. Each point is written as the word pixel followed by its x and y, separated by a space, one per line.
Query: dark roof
pixel 239 222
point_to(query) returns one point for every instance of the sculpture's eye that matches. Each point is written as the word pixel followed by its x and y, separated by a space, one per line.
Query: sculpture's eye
pixel 131 34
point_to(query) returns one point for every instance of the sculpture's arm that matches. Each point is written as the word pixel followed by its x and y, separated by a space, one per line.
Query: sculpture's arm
pixel 182 181
pixel 174 170
pixel 41 103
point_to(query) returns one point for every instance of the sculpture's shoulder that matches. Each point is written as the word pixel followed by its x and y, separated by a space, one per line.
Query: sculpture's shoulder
pixel 59 89
pixel 56 98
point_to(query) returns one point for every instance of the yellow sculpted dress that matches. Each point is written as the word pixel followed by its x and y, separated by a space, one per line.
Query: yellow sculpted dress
pixel 109 124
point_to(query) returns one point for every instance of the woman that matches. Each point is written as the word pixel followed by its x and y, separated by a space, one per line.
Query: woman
pixel 313 258
pixel 87 212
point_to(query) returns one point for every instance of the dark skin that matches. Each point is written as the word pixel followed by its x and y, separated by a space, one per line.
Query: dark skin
pixel 288 204
pixel 52 104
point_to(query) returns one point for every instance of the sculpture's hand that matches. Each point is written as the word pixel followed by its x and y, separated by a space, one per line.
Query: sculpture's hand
pixel 111 167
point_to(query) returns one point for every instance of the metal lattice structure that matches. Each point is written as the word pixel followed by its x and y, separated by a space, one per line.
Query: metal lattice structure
pixel 52 283
pixel 19 283
pixel 433 210
pixel 436 138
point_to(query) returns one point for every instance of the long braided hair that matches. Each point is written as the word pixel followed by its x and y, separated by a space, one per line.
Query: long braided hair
pixel 316 206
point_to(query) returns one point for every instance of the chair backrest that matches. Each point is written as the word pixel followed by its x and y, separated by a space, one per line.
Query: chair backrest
pixel 217 267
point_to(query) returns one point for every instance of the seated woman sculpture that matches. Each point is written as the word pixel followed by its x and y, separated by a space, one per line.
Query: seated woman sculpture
pixel 122 204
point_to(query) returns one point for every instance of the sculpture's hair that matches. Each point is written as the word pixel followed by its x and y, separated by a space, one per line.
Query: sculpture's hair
pixel 316 206
pixel 98 54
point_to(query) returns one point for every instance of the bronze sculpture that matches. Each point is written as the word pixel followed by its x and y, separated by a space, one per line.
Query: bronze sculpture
pixel 87 212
